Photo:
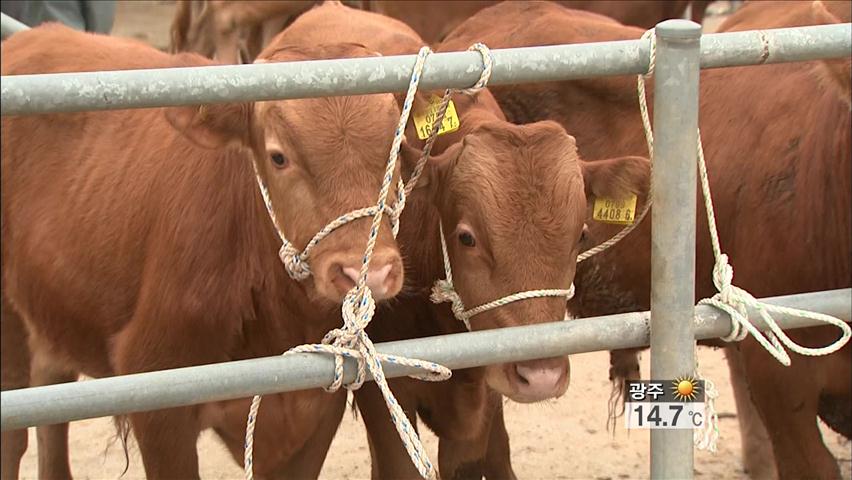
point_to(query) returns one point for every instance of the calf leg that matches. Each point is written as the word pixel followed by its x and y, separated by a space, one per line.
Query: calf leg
pixel 463 459
pixel 623 366
pixel 14 373
pixel 498 459
pixel 53 455
pixel 787 399
pixel 389 458
pixel 162 336
pixel 758 459
pixel 307 463
pixel 487 454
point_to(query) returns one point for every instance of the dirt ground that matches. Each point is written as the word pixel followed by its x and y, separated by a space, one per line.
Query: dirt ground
pixel 562 439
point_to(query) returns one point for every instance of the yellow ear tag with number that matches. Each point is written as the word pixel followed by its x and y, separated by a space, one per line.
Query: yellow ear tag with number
pixel 424 119
pixel 609 210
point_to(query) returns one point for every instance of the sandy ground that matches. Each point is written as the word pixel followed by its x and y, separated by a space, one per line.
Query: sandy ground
pixel 564 439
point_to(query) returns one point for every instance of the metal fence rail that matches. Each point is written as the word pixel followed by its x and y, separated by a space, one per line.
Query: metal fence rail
pixel 9 25
pixel 68 92
pixel 223 381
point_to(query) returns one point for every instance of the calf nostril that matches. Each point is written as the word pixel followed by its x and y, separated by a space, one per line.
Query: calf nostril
pixel 521 376
pixel 352 273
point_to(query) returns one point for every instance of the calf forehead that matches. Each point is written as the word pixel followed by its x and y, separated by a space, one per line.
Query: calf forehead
pixel 354 131
pixel 520 166
pixel 527 186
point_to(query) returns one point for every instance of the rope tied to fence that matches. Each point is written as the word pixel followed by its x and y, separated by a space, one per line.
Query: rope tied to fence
pixel 358 305
pixel 731 299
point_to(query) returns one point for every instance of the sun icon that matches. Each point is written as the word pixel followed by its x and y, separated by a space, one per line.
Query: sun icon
pixel 685 388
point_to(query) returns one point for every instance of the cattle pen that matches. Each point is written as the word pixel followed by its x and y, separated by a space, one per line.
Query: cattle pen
pixel 681 52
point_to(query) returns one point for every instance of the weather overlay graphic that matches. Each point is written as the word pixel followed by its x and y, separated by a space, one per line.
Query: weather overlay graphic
pixel 665 404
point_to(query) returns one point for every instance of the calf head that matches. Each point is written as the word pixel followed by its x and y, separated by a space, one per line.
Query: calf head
pixel 320 159
pixel 513 205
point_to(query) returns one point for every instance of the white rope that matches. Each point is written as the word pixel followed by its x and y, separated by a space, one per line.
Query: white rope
pixel 731 299
pixel 705 438
pixel 358 305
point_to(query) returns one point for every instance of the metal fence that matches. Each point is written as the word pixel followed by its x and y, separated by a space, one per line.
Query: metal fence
pixel 681 52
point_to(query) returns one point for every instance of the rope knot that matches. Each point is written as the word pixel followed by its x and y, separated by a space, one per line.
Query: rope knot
pixel 297 266
pixel 443 291
pixel 723 274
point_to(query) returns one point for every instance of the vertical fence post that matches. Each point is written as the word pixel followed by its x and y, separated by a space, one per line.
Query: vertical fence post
pixel 673 224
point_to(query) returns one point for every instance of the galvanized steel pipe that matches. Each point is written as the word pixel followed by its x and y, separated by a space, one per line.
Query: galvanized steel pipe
pixel 69 92
pixel 9 25
pixel 673 183
pixel 223 381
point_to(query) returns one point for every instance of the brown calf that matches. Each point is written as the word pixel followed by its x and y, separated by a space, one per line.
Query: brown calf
pixel 136 240
pixel 231 30
pixel 760 125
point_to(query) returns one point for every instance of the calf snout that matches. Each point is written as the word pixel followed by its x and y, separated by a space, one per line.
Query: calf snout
pixel 377 279
pixel 384 276
pixel 538 380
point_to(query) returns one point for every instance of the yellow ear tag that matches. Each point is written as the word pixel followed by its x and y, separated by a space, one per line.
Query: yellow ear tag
pixel 609 210
pixel 424 119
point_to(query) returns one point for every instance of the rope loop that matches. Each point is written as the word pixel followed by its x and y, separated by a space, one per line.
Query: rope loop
pixel 487 68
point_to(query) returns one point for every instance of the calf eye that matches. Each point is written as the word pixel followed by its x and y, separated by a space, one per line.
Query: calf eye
pixel 278 159
pixel 584 234
pixel 467 239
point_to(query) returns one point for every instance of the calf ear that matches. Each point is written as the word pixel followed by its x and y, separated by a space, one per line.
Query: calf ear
pixel 435 166
pixel 214 126
pixel 617 177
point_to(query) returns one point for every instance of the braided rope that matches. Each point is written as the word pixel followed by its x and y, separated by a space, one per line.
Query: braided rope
pixel 358 305
pixel 705 438
pixel 731 299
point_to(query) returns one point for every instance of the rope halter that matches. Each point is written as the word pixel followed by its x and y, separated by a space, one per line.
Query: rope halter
pixel 295 261
pixel 445 291
pixel 358 305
